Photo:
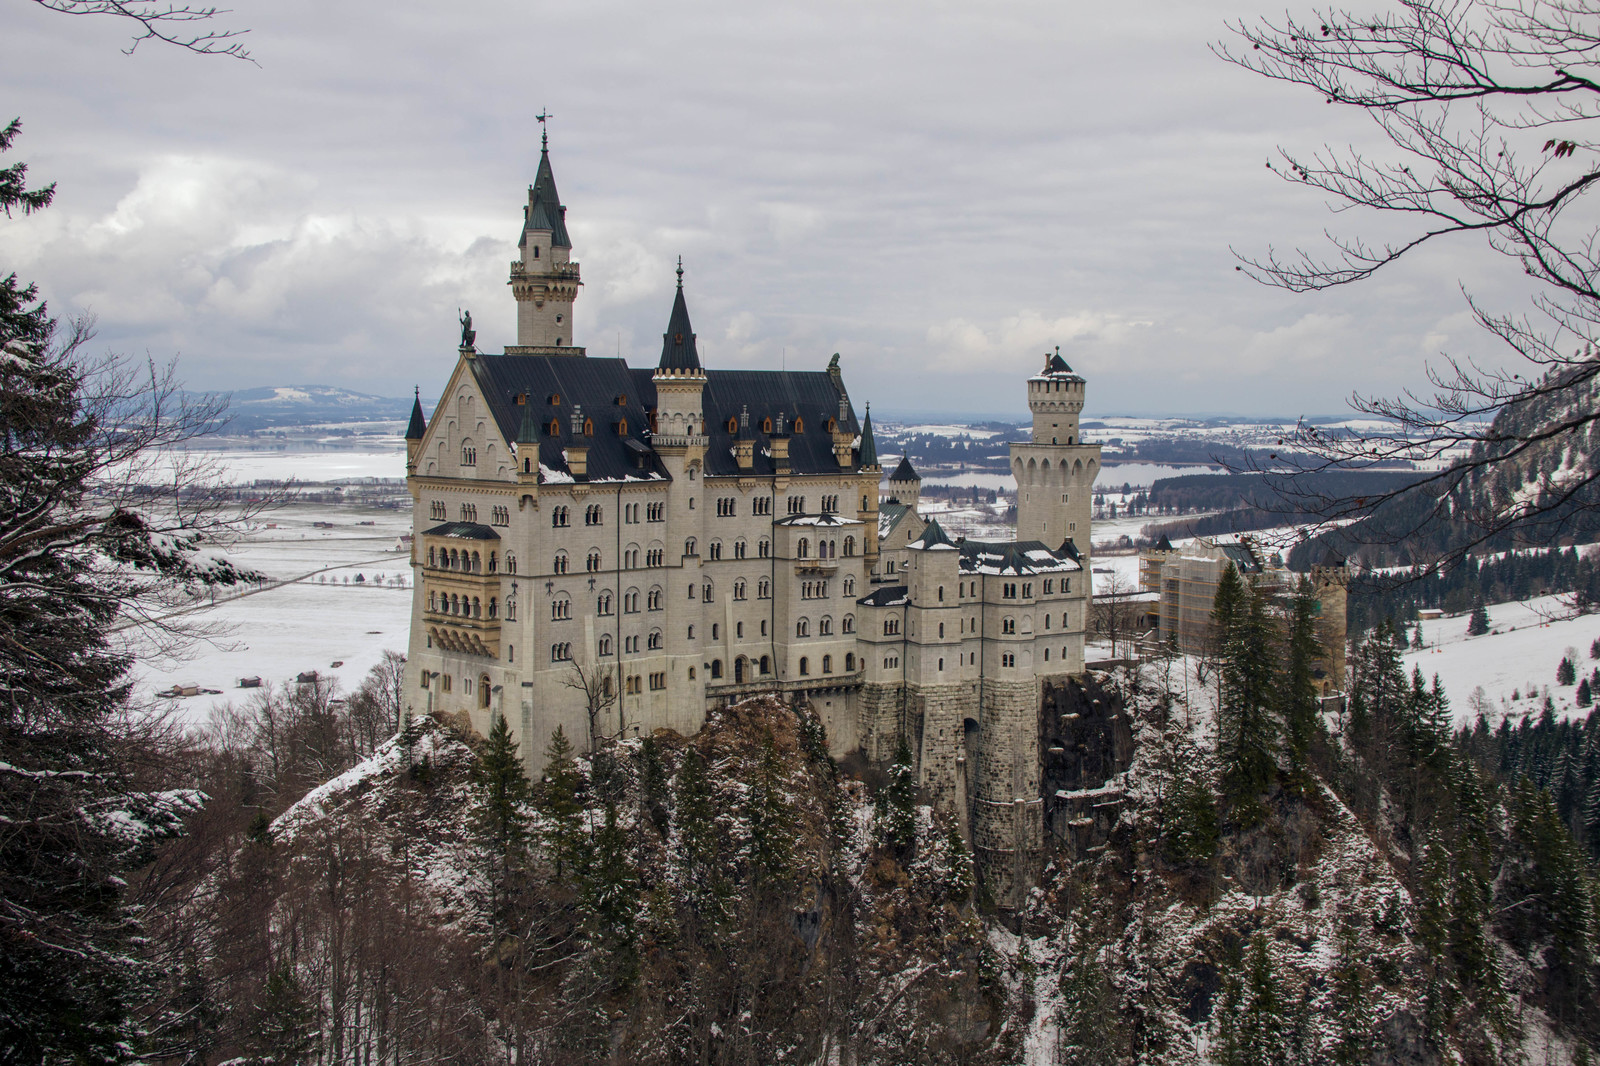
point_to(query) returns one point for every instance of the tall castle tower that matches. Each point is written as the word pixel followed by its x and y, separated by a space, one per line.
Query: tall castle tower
pixel 545 280
pixel 1055 470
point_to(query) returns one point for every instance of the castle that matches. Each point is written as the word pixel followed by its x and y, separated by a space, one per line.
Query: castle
pixel 614 550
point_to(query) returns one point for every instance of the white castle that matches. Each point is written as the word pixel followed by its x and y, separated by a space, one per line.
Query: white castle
pixel 613 550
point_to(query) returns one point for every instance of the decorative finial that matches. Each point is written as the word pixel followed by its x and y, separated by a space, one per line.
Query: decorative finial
pixel 680 273
pixel 416 390
pixel 544 131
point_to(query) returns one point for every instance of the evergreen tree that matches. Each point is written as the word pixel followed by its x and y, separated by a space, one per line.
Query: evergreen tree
pixel 770 820
pixel 559 806
pixel 896 811
pixel 1478 621
pixel 286 1027
pixel 653 785
pixel 609 883
pixel 1089 1025
pixel 1247 730
pixel 1566 673
pixel 1189 816
pixel 1417 642
pixel 1585 695
pixel 499 815
pixel 1350 1002
pixel 1299 690
pixel 694 819
pixel 81 552
pixel 1253 1026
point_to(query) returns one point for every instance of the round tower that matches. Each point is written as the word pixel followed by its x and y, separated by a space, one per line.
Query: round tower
pixel 905 484
pixel 1055 470
pixel 544 280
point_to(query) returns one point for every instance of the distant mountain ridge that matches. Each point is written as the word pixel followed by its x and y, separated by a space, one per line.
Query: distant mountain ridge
pixel 300 405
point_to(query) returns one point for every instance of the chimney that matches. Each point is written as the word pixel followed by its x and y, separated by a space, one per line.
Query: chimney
pixel 744 446
pixel 578 448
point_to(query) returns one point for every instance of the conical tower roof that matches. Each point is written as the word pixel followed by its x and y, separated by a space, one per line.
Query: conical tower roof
pixel 419 424
pixel 905 472
pixel 544 210
pixel 933 536
pixel 678 351
pixel 869 447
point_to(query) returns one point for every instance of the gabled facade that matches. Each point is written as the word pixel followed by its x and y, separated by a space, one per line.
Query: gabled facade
pixel 614 550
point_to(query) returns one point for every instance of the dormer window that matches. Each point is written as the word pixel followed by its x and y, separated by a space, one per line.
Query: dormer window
pixel 622 401
pixel 588 427
pixel 554 400
pixel 766 425
pixel 677 338
pixel 554 428
pixel 799 425
pixel 522 399
pixel 733 425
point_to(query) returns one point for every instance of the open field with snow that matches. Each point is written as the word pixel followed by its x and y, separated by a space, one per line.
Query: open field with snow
pixel 311 613
pixel 1517 656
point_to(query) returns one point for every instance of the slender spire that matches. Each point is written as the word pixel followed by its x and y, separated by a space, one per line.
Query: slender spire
pixel 544 211
pixel 869 447
pixel 529 433
pixel 419 424
pixel 678 351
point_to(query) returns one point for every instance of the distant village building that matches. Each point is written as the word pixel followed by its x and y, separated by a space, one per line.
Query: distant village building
pixel 640 545
pixel 1184 581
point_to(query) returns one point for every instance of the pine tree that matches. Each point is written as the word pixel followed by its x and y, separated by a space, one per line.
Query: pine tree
pixel 609 883
pixel 1189 815
pixel 285 1029
pixel 653 785
pixel 896 811
pixel 1300 705
pixel 1247 730
pixel 499 816
pixel 1478 621
pixel 1417 642
pixel 1350 1003
pixel 1089 1026
pixel 770 820
pixel 1585 695
pixel 694 821
pixel 557 802
pixel 1566 673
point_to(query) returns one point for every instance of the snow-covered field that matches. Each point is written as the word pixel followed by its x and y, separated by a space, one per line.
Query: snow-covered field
pixel 1518 655
pixel 312 612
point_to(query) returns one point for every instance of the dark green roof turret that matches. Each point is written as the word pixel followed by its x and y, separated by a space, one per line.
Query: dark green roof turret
pixel 869 447
pixel 933 535
pixel 678 351
pixel 419 424
pixel 544 210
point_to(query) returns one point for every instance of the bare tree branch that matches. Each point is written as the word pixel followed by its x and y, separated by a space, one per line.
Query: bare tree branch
pixel 164 22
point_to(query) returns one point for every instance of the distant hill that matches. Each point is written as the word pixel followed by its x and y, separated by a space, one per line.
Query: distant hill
pixel 301 405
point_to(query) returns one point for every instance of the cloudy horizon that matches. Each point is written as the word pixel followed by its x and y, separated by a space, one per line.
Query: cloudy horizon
pixel 939 193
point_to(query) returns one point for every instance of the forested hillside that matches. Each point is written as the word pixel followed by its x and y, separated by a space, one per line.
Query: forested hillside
pixel 1268 885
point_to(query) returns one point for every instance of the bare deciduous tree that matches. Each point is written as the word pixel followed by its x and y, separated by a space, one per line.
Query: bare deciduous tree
pixel 599 694
pixel 165 22
pixel 1487 106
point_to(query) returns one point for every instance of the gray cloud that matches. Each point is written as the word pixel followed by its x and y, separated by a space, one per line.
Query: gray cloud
pixel 938 191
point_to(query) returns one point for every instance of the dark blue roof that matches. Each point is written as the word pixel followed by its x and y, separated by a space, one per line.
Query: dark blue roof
pixel 905 471
pixel 466 530
pixel 678 351
pixel 419 424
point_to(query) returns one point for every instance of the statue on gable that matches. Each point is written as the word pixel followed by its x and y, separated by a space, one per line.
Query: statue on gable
pixel 469 336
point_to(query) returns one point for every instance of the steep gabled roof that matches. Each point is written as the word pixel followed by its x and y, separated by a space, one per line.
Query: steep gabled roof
pixel 544 210
pixel 809 395
pixel 933 536
pixel 419 424
pixel 678 351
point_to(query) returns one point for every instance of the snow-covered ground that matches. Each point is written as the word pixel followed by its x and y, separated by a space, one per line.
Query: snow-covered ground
pixel 1518 655
pixel 311 613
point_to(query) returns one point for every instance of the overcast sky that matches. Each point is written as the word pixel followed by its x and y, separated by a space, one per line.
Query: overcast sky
pixel 938 191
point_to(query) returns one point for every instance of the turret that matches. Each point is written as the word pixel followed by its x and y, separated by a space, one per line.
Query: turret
pixel 1055 396
pixel 544 280
pixel 1055 470
pixel 414 432
pixel 527 456
pixel 680 381
pixel 905 484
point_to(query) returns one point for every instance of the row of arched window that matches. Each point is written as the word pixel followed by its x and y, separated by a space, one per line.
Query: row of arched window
pixel 452 603
pixel 826 549
pixel 802 628
pixel 464 561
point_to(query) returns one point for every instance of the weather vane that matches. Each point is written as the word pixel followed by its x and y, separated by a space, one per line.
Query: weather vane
pixel 680 271
pixel 544 131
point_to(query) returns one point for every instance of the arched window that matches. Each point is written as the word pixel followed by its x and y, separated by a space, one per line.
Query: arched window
pixel 494 607
pixel 560 517
pixel 689 546
pixel 849 662
pixel 654 641
pixel 802 628
pixel 469 454
pixel 477 608
pixel 493 563
pixel 430 557
pixel 763 589
pixel 593 562
pixel 716 668
pixel 849 545
pixel 484 691
pixel 766 665
pixel 803 550
pixel 825 627
pixel 477 566
pixel 891 626
pixel 455 559
pixel 827 664
pixel 653 599
pixel 738 589
pixel 511 563
pixel 560 563
pixel 604 647
pixel 805 666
